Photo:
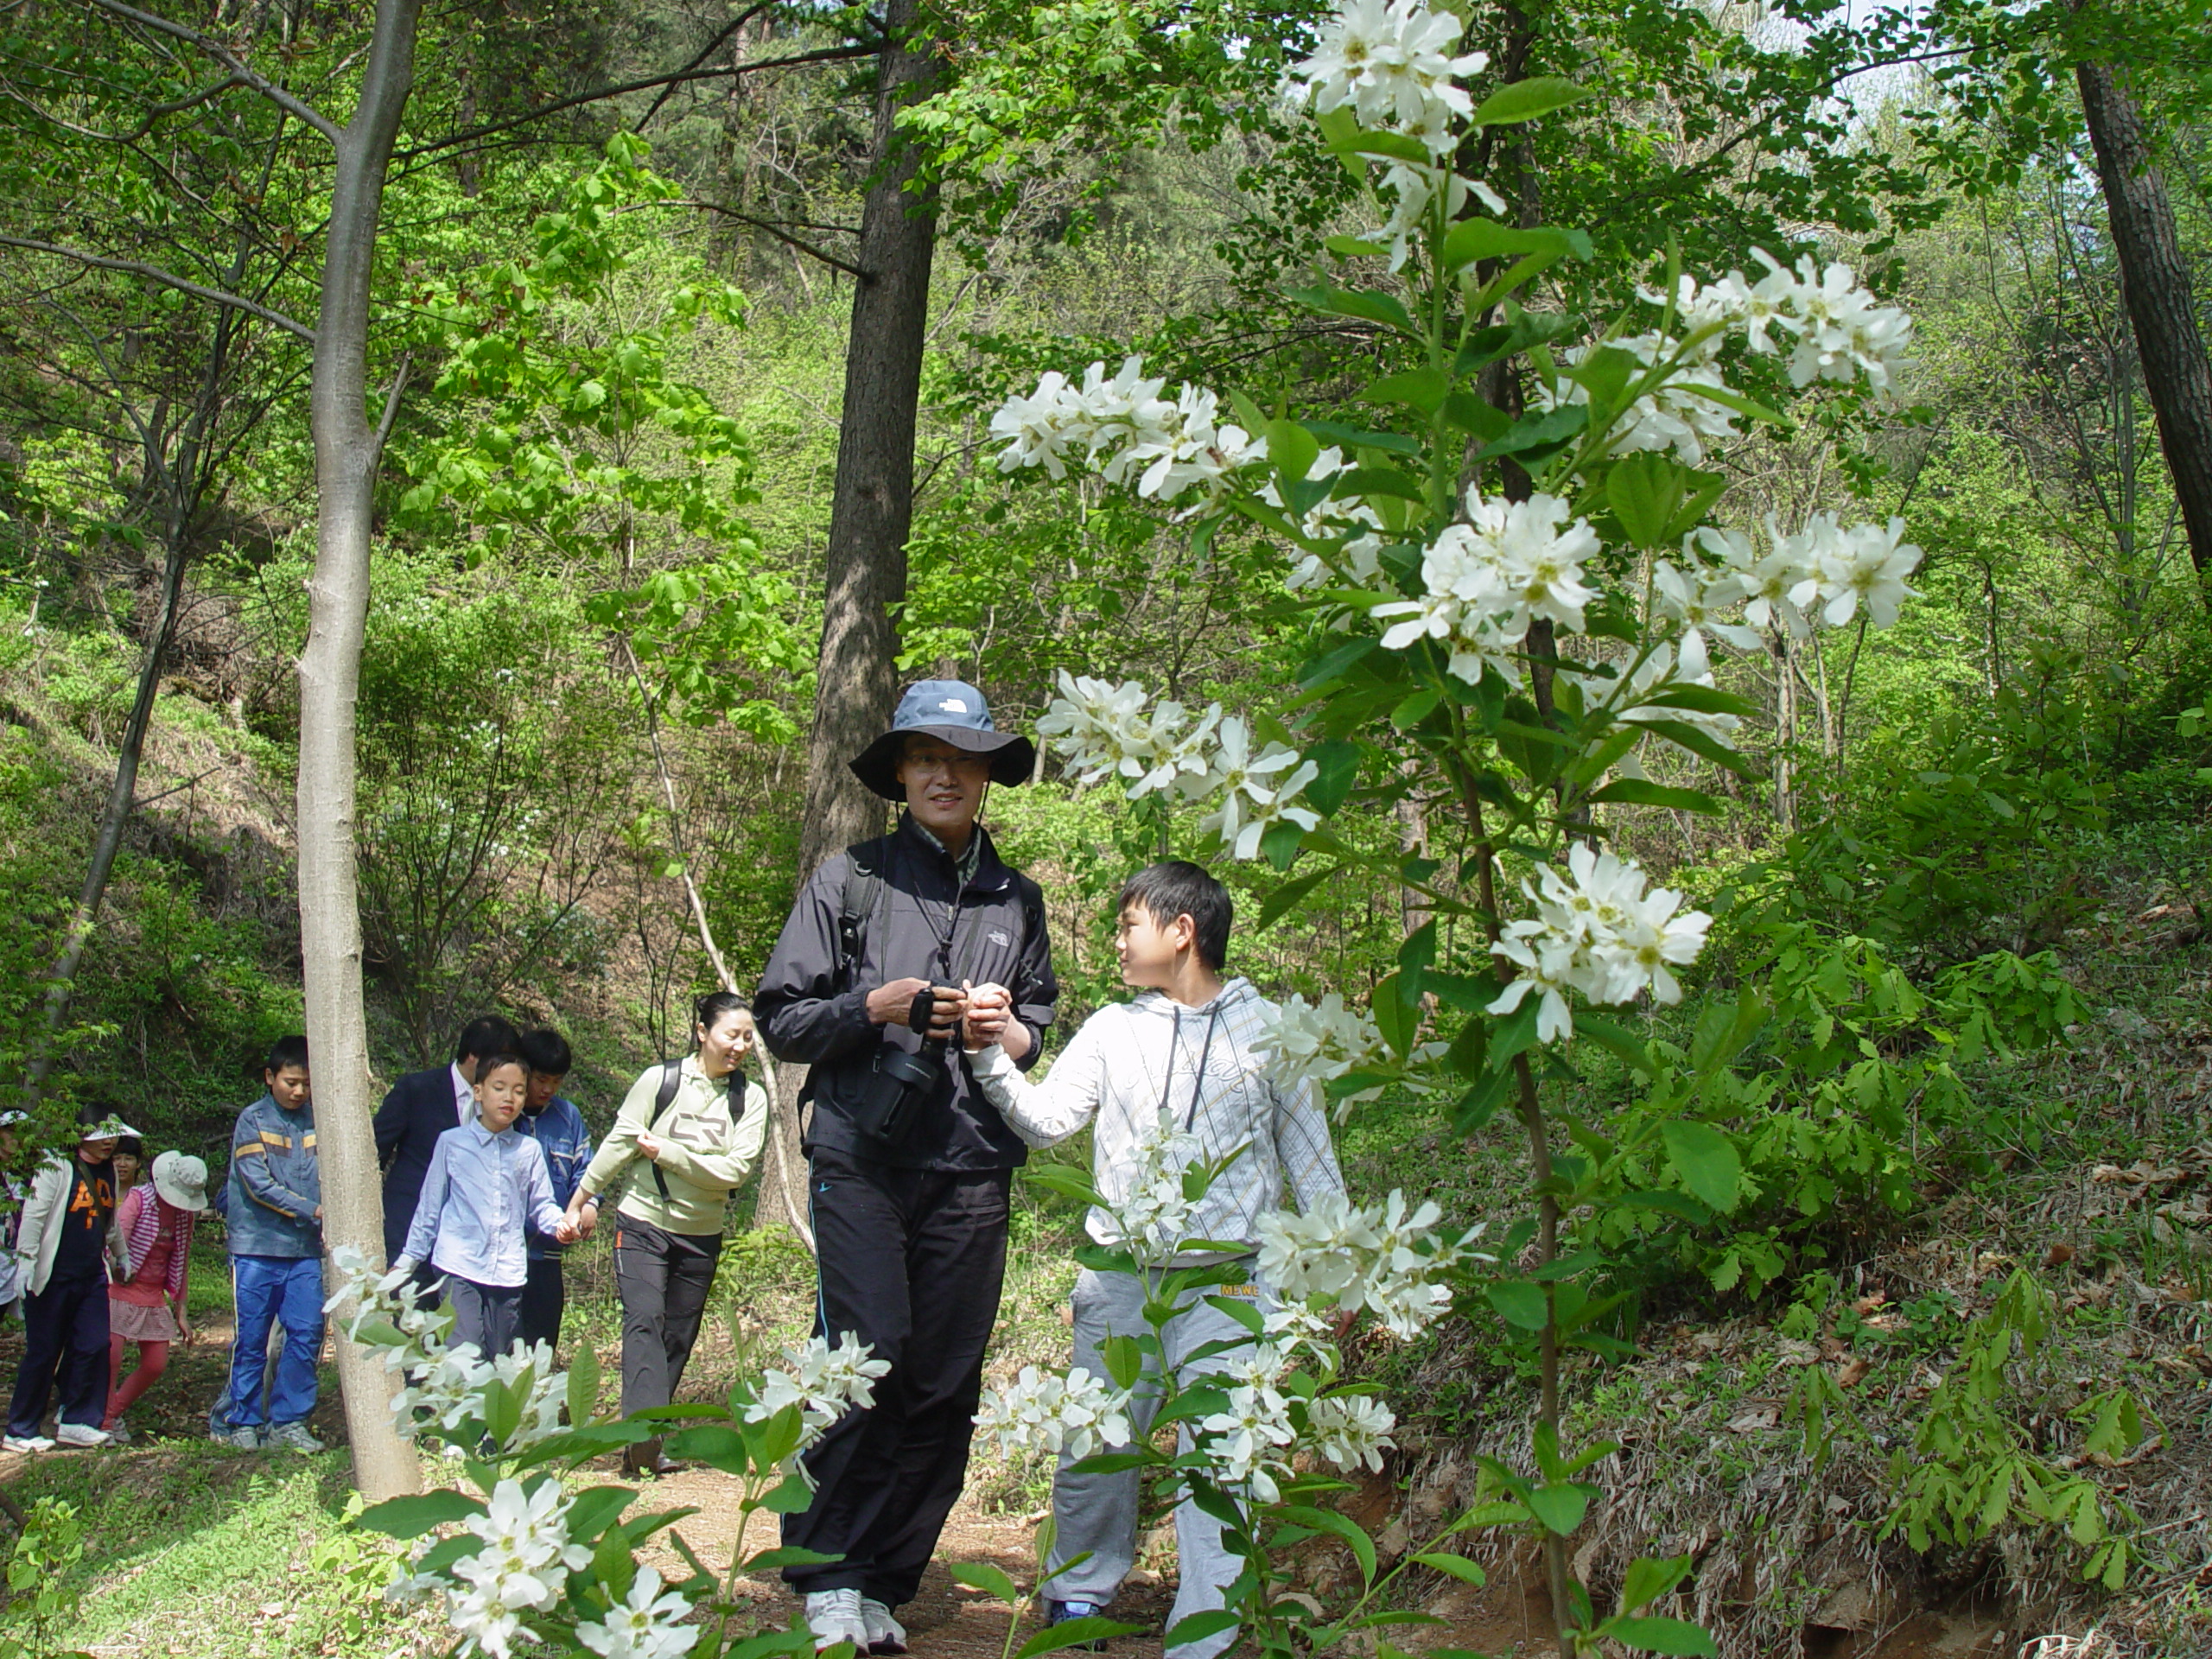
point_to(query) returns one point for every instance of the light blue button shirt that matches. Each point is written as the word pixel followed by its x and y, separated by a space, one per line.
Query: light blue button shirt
pixel 480 1191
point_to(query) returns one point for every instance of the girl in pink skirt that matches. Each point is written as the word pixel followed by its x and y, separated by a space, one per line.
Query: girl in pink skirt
pixel 153 1224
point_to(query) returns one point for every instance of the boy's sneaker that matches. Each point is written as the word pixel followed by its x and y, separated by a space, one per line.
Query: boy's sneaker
pixel 884 1633
pixel 1060 1612
pixel 834 1616
pixel 117 1432
pixel 293 1437
pixel 26 1443
pixel 80 1435
pixel 245 1437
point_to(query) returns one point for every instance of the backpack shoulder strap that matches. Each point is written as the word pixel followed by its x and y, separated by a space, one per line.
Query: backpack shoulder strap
pixel 671 1074
pixel 856 903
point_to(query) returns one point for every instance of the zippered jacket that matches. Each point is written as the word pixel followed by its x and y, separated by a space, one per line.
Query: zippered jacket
pixel 924 923
pixel 276 1183
pixel 46 1212
pixel 1133 1060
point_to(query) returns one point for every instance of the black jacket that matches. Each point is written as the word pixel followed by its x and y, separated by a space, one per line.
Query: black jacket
pixel 420 1108
pixel 809 1013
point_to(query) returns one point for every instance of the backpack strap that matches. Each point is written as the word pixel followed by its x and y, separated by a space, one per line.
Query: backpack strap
pixel 671 1074
pixel 857 906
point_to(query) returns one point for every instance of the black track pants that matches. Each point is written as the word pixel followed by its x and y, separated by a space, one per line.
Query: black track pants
pixel 912 1262
pixel 543 1301
pixel 663 1278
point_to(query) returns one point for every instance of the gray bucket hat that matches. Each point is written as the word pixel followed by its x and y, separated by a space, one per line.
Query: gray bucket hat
pixel 956 713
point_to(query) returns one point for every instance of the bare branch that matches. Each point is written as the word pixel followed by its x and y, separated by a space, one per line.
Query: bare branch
pixel 168 279
pixel 783 236
pixel 827 55
pixel 392 402
pixel 704 53
pixel 230 59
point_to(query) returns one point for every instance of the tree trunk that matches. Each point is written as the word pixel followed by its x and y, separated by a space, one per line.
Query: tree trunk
pixel 347 452
pixel 865 565
pixel 2154 281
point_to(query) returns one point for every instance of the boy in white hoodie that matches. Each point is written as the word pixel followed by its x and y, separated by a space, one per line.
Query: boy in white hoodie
pixel 1184 1046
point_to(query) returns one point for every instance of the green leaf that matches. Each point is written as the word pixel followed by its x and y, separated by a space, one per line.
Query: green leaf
pixel 1415 708
pixel 1288 897
pixel 1336 764
pixel 1672 1636
pixel 1124 1359
pixel 1073 1632
pixel 1327 669
pixel 1291 449
pixel 1723 1029
pixel 1392 1016
pixel 1538 431
pixel 1470 239
pixel 1195 1627
pixel 1366 141
pixel 1706 1161
pixel 1519 1303
pixel 1615 1039
pixel 1457 1567
pixel 1702 743
pixel 788 1555
pixel 1353 247
pixel 982 1575
pixel 1340 1526
pixel 1645 491
pixel 1418 389
pixel 1641 792
pixel 583 1384
pixel 1525 100
pixel 1351 438
pixel 1647 1579
pixel 1560 1506
pixel 1700 699
pixel 1362 304
pixel 411 1517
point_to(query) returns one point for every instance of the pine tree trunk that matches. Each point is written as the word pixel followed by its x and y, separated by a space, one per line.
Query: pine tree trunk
pixel 2154 281
pixel 346 451
pixel 865 566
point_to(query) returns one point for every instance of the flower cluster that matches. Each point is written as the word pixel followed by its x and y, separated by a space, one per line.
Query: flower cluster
pixel 1107 731
pixel 1675 417
pixel 1390 61
pixel 1380 1258
pixel 1345 519
pixel 644 1624
pixel 1596 931
pixel 824 1383
pixel 1351 1430
pixel 1249 1440
pixel 445 1385
pixel 1154 1215
pixel 1125 430
pixel 521 1569
pixel 1319 1042
pixel 1075 1414
pixel 1485 580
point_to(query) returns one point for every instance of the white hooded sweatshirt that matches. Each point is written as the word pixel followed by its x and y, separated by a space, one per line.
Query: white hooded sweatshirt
pixel 1133 1059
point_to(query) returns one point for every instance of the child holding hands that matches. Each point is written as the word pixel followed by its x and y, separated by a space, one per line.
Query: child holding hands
pixel 487 1186
pixel 1182 1049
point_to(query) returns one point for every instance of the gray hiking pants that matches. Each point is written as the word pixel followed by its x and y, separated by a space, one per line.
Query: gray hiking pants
pixel 1098 1513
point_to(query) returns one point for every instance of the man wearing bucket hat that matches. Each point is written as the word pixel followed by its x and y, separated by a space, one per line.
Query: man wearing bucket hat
pixel 63 1242
pixel 911 1166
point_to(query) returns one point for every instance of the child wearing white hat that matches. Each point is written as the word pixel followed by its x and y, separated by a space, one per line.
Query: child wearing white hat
pixel 146 1305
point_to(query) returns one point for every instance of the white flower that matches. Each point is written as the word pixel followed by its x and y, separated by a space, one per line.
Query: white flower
pixel 1040 428
pixel 1411 191
pixel 1351 1430
pixel 1696 597
pixel 1317 1042
pixel 1126 431
pixel 1277 809
pixel 522 1568
pixel 1840 333
pixel 1845 568
pixel 1040 1412
pixel 1390 62
pixel 1674 417
pixel 1152 1217
pixel 1242 778
pixel 1597 931
pixel 1671 665
pixel 824 1383
pixel 1248 1437
pixel 1100 728
pixel 644 1624
pixel 1380 1258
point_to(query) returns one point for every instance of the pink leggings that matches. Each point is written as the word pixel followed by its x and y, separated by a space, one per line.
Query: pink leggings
pixel 122 1391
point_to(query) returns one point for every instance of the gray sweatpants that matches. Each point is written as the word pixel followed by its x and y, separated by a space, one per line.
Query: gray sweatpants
pixel 1098 1513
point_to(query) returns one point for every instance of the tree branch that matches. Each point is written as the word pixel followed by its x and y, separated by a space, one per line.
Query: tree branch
pixel 168 279
pixel 230 59
pixel 827 55
pixel 391 403
pixel 704 53
pixel 785 236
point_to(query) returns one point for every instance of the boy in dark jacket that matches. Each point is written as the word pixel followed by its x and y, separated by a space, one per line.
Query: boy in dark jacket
pixel 909 1165
pixel 275 1212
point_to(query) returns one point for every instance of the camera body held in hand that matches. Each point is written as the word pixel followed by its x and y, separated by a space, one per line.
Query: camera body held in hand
pixel 902 1083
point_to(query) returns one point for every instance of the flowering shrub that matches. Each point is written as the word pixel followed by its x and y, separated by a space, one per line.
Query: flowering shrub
pixel 1520 591
pixel 529 1562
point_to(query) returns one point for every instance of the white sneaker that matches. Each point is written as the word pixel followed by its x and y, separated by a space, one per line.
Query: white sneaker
pixel 834 1616
pixel 884 1633
pixel 26 1443
pixel 81 1434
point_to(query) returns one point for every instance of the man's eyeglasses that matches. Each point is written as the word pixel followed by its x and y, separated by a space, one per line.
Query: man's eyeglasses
pixel 949 766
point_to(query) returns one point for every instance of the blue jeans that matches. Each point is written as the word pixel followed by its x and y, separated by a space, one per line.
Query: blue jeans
pixel 269 1289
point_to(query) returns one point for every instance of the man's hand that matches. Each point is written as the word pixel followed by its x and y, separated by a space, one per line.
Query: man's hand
pixel 892 1004
pixel 990 1020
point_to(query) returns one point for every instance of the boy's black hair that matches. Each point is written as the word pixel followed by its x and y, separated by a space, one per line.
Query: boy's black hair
pixel 287 1050
pixel 486 1034
pixel 546 1052
pixel 487 1064
pixel 1181 889
pixel 715 1006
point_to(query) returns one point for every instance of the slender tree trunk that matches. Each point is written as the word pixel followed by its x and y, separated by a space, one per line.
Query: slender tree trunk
pixel 2154 282
pixel 865 572
pixel 346 451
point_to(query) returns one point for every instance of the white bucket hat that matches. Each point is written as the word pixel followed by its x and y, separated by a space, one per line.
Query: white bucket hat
pixel 182 1179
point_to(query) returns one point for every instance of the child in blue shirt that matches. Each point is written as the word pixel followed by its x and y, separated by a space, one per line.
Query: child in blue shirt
pixel 559 1127
pixel 486 1187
